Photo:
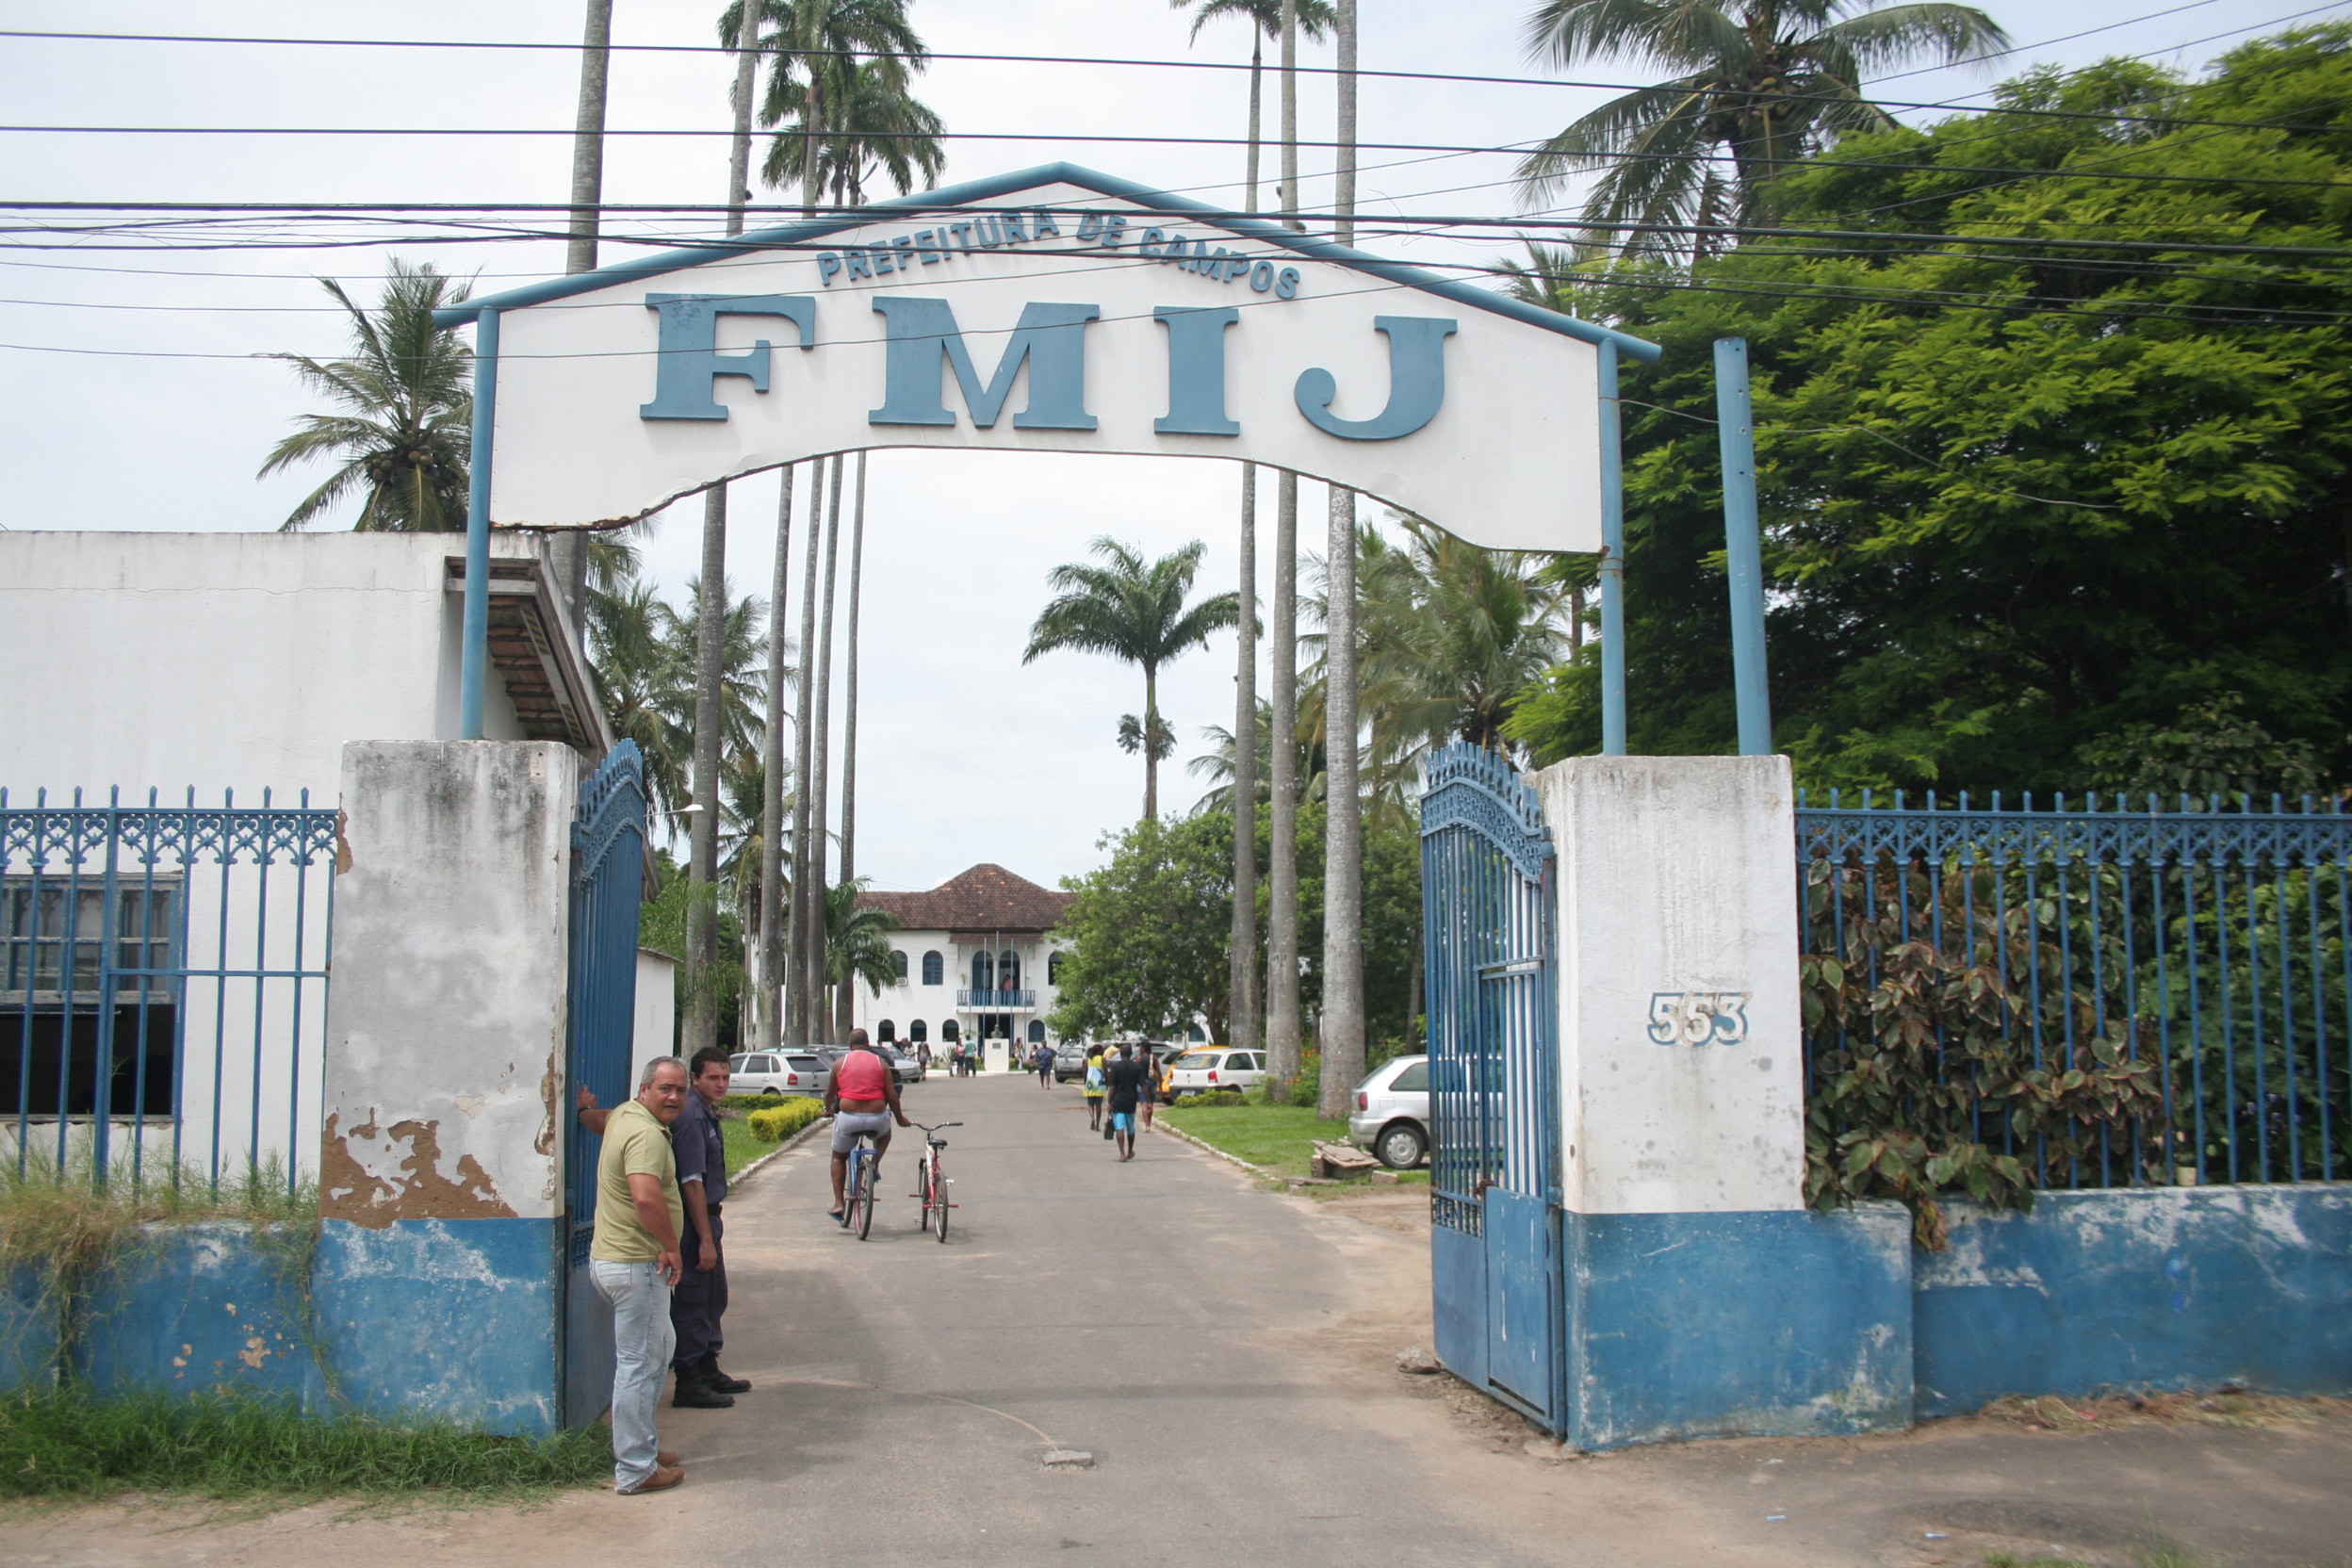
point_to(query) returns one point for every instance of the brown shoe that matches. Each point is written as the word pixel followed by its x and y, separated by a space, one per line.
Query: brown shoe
pixel 663 1477
pixel 668 1459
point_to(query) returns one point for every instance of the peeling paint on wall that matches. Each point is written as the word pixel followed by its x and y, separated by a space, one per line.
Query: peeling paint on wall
pixel 375 1175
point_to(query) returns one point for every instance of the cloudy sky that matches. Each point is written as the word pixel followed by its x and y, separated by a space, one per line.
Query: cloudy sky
pixel 131 399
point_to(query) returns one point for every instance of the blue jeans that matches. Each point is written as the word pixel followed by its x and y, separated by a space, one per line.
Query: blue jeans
pixel 643 1343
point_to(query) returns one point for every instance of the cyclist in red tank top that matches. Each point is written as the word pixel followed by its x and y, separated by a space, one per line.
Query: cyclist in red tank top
pixel 861 1097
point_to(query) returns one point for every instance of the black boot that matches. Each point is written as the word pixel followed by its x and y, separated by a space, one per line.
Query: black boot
pixel 694 1392
pixel 713 1377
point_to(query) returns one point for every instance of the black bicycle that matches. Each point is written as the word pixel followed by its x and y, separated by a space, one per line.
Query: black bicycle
pixel 934 1183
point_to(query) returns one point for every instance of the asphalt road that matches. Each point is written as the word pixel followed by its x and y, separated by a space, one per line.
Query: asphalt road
pixel 1226 1354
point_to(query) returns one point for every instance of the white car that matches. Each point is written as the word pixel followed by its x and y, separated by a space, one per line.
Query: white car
pixel 1391 1117
pixel 1216 1067
pixel 778 1073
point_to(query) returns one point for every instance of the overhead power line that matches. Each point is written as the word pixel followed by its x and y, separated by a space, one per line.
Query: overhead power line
pixel 1164 63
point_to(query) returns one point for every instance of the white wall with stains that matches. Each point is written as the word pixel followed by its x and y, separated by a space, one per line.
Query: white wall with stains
pixel 1681 1066
pixel 445 1031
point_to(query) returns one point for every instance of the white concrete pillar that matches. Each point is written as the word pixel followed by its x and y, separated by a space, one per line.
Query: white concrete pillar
pixel 1682 1082
pixel 442 1160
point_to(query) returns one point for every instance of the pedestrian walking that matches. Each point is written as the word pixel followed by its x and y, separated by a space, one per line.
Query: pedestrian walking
pixel 1094 1088
pixel 634 1262
pixel 1122 1078
pixel 700 1300
pixel 1147 1086
pixel 1042 1059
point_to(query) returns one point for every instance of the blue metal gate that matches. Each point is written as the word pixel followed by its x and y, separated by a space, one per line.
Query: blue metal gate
pixel 1494 1181
pixel 607 885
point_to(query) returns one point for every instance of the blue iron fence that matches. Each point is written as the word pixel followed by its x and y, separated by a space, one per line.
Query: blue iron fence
pixel 2214 943
pixel 608 887
pixel 163 986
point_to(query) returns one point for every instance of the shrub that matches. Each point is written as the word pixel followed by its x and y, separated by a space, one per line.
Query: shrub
pixel 1213 1096
pixel 748 1101
pixel 778 1123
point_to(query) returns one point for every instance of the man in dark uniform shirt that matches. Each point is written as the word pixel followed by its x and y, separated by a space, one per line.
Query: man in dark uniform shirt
pixel 700 1300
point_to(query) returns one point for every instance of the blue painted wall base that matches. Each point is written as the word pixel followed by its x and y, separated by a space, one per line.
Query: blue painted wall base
pixel 1800 1324
pixel 2162 1288
pixel 448 1319
pixel 1721 1325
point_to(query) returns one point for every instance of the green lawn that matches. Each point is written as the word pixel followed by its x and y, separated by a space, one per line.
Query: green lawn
pixel 1275 1137
pixel 741 1147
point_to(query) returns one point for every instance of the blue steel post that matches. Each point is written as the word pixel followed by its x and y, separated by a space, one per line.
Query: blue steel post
pixel 475 663
pixel 1735 433
pixel 1612 561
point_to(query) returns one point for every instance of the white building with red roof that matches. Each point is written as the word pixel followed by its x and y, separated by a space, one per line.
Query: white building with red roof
pixel 977 961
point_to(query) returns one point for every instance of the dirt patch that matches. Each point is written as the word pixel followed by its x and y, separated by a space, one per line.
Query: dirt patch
pixel 2225 1407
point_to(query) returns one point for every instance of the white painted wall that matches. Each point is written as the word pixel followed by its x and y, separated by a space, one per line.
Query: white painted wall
pixel 444 1032
pixel 1678 904
pixel 655 1032
pixel 224 661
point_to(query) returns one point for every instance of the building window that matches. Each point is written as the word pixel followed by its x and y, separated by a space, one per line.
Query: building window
pixel 53 992
pixel 949 1032
pixel 887 1031
pixel 898 962
pixel 1009 970
pixel 934 969
pixel 917 1032
pixel 1036 1032
pixel 981 968
pixel 1053 970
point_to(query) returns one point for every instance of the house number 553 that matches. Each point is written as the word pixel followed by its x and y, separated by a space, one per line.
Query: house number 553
pixel 1699 1018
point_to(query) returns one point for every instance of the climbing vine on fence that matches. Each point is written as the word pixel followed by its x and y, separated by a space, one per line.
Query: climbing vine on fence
pixel 1930 1075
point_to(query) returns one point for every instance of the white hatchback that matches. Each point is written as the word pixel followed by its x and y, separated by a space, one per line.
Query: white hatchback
pixel 1211 1067
pixel 778 1073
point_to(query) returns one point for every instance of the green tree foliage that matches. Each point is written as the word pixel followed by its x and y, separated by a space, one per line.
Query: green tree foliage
pixel 1152 928
pixel 856 938
pixel 404 431
pixel 1763 83
pixel 661 925
pixel 2035 519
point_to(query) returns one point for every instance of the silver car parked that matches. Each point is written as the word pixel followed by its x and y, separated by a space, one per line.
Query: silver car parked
pixel 779 1072
pixel 1392 1114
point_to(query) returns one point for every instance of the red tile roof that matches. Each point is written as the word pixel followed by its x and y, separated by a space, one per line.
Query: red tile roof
pixel 985 900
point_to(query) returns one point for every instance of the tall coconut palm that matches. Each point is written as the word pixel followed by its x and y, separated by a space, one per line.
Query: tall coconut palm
pixel 1266 18
pixel 405 434
pixel 647 690
pixel 1762 83
pixel 873 128
pixel 1134 610
pixel 807 43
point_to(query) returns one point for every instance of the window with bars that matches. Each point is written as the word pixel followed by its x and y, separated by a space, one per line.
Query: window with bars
pixel 41 946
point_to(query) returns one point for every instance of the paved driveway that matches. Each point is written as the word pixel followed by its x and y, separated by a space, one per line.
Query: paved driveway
pixel 1226 1354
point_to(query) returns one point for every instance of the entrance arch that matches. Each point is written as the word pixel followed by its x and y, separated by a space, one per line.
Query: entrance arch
pixel 1055 309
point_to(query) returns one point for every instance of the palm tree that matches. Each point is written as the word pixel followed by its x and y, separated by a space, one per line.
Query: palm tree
pixel 857 939
pixel 1133 611
pixel 810 42
pixel 1216 765
pixel 1764 83
pixel 1314 17
pixel 872 127
pixel 406 434
pixel 648 695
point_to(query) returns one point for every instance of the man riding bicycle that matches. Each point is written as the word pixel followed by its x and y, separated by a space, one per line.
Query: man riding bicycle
pixel 862 1099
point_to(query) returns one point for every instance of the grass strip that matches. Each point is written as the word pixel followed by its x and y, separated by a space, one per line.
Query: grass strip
pixel 1279 1138
pixel 67 1444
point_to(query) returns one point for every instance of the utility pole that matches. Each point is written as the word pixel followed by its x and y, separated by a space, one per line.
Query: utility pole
pixel 702 911
pixel 568 551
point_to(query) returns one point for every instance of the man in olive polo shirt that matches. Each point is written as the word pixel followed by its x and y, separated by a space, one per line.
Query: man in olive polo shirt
pixel 633 1259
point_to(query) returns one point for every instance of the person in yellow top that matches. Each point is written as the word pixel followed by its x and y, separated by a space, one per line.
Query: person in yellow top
pixel 632 1260
pixel 1095 1088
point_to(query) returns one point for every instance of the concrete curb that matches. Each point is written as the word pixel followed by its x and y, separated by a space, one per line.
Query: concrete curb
pixel 1258 1170
pixel 785 1147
